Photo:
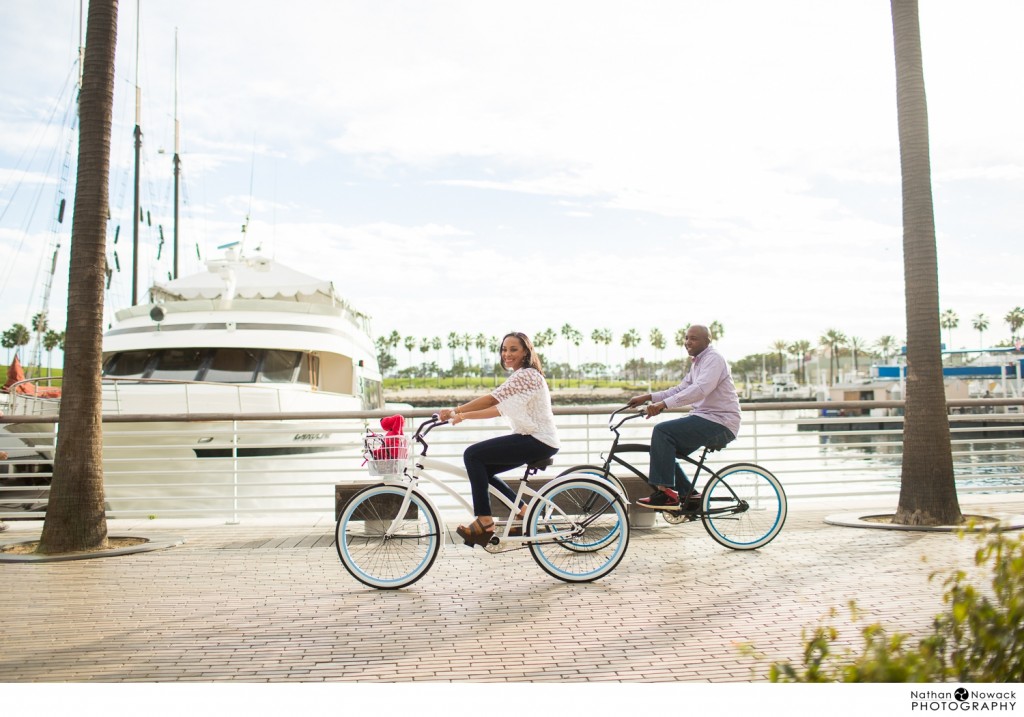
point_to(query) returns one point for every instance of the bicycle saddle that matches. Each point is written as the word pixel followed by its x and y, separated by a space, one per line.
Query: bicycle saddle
pixel 540 465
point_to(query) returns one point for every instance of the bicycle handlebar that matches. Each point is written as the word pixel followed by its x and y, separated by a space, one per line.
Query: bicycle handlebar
pixel 615 428
pixel 428 425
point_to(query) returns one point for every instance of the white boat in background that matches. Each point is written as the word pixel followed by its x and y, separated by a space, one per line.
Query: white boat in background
pixel 248 336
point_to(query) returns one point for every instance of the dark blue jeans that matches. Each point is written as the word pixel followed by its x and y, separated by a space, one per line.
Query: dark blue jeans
pixel 487 458
pixel 681 436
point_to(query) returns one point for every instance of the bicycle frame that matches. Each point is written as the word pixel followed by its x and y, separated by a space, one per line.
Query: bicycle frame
pixel 617 448
pixel 418 470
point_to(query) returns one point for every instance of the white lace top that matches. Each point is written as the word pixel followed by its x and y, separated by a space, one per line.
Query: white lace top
pixel 525 401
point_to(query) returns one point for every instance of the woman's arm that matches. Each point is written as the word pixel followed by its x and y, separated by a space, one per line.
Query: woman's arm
pixel 490 412
pixel 477 405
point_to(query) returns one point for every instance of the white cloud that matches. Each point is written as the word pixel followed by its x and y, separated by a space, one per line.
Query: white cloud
pixel 458 163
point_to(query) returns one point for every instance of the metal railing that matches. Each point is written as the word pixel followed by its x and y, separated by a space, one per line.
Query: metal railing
pixel 232 465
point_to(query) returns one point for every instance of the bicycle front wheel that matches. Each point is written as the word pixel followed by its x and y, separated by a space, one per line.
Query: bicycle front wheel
pixel 381 548
pixel 580 528
pixel 743 506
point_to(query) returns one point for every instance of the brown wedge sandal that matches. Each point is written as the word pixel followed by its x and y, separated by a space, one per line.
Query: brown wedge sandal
pixel 476 533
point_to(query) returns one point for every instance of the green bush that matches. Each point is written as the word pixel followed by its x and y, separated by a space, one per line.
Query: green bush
pixel 979 637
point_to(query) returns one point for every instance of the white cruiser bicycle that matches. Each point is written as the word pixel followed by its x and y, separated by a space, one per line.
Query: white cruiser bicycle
pixel 388 535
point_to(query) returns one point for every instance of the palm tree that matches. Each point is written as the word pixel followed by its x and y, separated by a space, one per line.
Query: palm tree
pixel 1014 318
pixel 857 346
pixel 437 345
pixel 980 323
pixel 51 340
pixel 494 346
pixel 567 332
pixel 75 518
pixel 779 347
pixel 717 330
pixel 658 342
pixel 453 344
pixel 597 336
pixel 887 346
pixel 410 343
pixel 7 341
pixel 949 321
pixel 480 342
pixel 394 339
pixel 630 340
pixel 16 337
pixel 425 347
pixel 927 487
pixel 832 340
pixel 545 338
pixel 602 336
pixel 39 325
pixel 800 349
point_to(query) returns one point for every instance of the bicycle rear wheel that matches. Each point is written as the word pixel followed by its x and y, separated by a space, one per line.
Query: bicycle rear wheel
pixel 378 555
pixel 594 527
pixel 744 506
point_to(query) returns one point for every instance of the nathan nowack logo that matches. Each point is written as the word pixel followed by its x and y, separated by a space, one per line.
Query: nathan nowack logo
pixel 963 700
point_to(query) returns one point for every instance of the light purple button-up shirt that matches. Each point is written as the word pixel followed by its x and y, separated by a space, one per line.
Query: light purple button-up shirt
pixel 709 389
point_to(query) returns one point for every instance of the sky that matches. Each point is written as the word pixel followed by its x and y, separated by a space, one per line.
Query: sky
pixel 485 167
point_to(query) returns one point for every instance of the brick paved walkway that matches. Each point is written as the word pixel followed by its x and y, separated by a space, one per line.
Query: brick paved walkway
pixel 271 602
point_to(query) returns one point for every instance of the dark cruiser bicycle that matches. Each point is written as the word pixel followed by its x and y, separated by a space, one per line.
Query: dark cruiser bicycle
pixel 741 506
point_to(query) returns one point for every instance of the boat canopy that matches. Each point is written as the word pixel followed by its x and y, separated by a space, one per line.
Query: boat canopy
pixel 248 278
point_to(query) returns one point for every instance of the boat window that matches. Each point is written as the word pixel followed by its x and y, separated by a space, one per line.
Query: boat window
pixel 279 366
pixel 232 366
pixel 178 364
pixel 127 364
pixel 372 392
pixel 309 372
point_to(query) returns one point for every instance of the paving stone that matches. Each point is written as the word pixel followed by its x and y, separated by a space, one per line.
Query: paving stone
pixel 270 602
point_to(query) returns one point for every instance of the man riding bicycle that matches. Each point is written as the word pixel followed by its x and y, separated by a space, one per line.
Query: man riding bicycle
pixel 713 420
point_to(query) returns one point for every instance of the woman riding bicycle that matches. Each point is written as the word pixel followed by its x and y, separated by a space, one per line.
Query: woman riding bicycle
pixel 524 400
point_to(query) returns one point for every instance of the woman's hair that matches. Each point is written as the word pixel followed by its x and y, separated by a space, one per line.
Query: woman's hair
pixel 532 359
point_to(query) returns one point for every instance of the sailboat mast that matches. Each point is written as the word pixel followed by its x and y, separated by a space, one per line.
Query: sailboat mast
pixel 138 156
pixel 177 151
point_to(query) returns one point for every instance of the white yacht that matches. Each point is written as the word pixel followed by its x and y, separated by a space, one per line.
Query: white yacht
pixel 249 336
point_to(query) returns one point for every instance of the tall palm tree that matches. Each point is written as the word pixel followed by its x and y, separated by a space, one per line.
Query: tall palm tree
pixel 480 342
pixel 437 345
pixel 886 346
pixel 16 337
pixel 630 340
pixel 857 346
pixel 410 343
pixel 680 341
pixel 717 330
pixel 51 340
pixel 1015 319
pixel 425 348
pixel 927 487
pixel 454 341
pixel 779 346
pixel 567 332
pixel 75 518
pixel 832 340
pixel 980 323
pixel 949 321
pixel 800 349
pixel 40 324
pixel 658 343
pixel 394 339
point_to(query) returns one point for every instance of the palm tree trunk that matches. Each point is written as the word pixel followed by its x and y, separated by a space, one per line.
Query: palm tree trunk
pixel 927 489
pixel 75 517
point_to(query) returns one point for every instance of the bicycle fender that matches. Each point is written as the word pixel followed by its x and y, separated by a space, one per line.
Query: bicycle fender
pixel 566 477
